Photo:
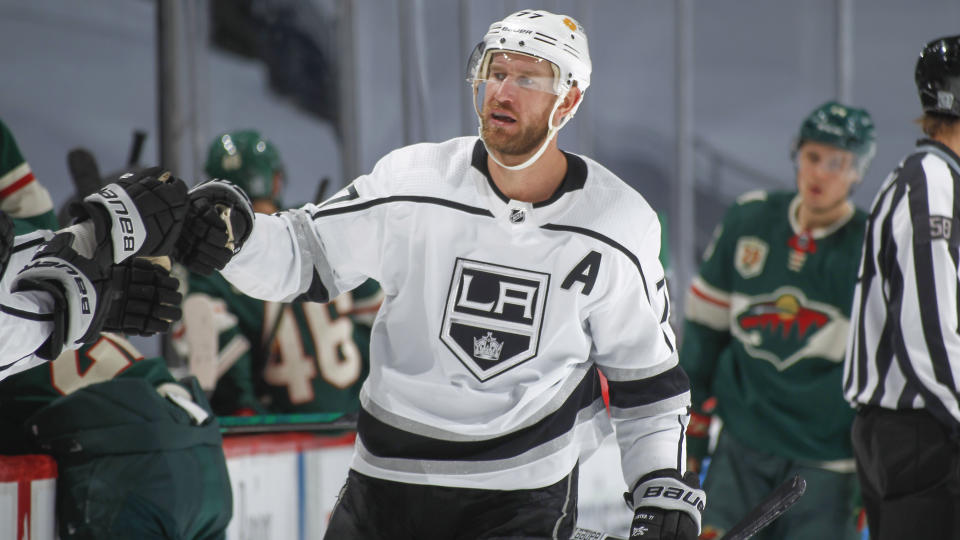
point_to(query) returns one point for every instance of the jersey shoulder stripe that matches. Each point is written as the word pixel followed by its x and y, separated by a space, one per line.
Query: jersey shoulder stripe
pixel 402 198
pixel 606 240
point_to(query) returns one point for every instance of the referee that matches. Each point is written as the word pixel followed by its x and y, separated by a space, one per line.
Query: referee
pixel 902 368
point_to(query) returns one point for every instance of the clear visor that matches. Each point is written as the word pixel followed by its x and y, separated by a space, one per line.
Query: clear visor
pixel 499 75
pixel 828 160
pixel 522 72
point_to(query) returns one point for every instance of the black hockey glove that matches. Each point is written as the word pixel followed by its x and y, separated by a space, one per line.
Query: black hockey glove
pixel 6 241
pixel 140 213
pixel 79 287
pixel 219 220
pixel 144 298
pixel 666 508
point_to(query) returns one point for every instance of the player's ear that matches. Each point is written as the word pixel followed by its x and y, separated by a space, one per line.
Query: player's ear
pixel 569 103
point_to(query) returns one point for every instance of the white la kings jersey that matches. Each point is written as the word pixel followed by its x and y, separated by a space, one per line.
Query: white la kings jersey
pixel 497 315
pixel 25 317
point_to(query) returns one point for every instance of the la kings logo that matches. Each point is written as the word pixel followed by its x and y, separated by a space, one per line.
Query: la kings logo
pixel 493 316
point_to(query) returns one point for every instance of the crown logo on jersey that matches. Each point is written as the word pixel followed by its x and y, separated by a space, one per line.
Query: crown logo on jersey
pixel 487 347
pixel 493 316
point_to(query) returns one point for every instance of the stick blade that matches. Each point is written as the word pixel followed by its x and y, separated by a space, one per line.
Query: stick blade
pixel 770 508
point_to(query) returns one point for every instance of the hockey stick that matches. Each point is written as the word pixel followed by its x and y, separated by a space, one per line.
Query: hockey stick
pixel 136 148
pixel 770 508
pixel 321 190
pixel 84 172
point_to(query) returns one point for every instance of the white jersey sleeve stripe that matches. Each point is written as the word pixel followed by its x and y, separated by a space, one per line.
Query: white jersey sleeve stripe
pixel 666 386
pixel 708 305
pixel 665 405
pixel 624 374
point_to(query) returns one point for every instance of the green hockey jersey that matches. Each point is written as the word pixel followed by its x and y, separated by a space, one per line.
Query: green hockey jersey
pixel 21 196
pixel 273 357
pixel 25 393
pixel 766 327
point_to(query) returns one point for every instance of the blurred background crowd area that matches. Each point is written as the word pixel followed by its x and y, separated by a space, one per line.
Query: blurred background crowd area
pixel 691 102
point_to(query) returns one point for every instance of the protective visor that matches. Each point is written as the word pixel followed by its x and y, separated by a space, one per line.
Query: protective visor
pixel 490 71
pixel 828 160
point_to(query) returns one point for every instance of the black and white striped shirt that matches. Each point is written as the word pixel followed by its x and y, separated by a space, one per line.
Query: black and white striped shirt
pixel 904 347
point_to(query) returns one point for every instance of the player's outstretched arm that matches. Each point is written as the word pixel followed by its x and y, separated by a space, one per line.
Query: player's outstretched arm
pixel 133 297
pixel 219 220
pixel 78 287
pixel 667 507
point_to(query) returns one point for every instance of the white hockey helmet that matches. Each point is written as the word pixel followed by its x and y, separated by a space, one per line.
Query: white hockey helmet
pixel 558 39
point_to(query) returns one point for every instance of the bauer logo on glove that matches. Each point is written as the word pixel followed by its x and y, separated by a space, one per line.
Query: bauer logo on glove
pixel 689 496
pixel 130 235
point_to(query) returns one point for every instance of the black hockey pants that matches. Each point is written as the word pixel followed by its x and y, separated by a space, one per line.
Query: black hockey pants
pixel 909 471
pixel 375 509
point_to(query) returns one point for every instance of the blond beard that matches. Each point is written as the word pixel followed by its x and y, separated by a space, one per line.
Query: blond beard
pixel 526 142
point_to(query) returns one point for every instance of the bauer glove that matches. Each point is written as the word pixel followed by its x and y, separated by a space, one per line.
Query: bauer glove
pixel 140 213
pixel 145 299
pixel 666 507
pixel 219 220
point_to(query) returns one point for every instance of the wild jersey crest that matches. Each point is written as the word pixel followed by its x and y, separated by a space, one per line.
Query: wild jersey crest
pixel 493 316
pixel 784 327
pixel 750 256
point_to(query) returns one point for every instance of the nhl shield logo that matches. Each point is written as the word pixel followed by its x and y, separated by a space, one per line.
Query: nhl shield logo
pixel 750 256
pixel 493 316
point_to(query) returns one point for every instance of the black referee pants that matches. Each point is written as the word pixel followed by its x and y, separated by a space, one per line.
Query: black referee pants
pixel 909 471
pixel 374 509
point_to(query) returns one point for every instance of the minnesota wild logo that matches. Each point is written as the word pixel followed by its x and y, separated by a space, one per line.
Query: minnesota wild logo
pixel 785 327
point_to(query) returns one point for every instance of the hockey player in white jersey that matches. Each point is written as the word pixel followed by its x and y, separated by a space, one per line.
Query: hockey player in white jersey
pixel 514 272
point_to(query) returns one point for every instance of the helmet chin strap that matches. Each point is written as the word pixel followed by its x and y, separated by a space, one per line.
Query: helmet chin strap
pixel 551 133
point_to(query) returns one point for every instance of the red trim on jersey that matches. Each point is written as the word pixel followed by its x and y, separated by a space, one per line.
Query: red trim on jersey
pixel 605 390
pixel 708 298
pixel 281 443
pixel 7 191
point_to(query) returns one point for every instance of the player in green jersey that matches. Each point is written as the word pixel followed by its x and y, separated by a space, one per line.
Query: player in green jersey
pixel 139 455
pixel 765 332
pixel 261 356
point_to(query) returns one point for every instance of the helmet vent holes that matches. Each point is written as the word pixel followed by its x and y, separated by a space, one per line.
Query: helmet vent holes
pixel 503 40
pixel 521 43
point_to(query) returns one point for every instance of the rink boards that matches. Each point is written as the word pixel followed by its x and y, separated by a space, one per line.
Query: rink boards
pixel 284 488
